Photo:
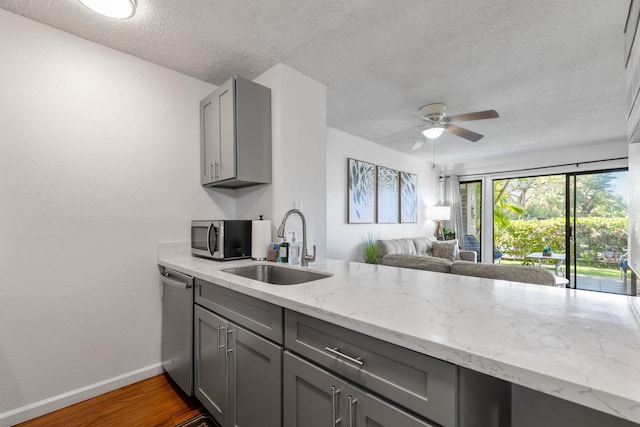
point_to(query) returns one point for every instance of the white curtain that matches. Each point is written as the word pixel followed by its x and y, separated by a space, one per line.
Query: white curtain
pixel 452 199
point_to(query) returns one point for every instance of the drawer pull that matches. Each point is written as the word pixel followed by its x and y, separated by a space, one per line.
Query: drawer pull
pixel 357 360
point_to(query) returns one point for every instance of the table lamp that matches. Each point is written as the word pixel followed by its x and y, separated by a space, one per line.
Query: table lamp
pixel 439 214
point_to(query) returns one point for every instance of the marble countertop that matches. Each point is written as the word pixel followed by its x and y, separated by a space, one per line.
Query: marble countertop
pixel 576 345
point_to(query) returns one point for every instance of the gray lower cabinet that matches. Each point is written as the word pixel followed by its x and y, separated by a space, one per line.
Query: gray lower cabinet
pixel 237 373
pixel 314 397
pixel 331 375
pixel 210 362
pixel 432 389
pixel 422 384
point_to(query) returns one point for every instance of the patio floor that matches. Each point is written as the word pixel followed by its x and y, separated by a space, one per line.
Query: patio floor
pixel 611 285
pixel 603 284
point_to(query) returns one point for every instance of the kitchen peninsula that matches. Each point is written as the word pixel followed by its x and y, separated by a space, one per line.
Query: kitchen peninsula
pixel 578 346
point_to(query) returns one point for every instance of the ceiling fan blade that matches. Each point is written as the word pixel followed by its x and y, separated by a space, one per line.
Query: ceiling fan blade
pixel 418 143
pixel 478 115
pixel 399 132
pixel 463 133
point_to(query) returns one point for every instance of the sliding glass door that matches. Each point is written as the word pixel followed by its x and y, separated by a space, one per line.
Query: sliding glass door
pixel 471 203
pixel 598 218
pixel 573 224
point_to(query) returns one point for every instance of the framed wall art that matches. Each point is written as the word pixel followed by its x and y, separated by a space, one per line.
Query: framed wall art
pixel 387 202
pixel 408 197
pixel 361 192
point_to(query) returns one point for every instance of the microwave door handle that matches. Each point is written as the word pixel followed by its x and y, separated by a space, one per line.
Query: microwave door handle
pixel 215 232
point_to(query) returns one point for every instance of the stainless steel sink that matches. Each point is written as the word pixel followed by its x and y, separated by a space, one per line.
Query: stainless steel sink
pixel 276 275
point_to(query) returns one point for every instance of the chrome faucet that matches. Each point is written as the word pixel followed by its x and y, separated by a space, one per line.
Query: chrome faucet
pixel 305 258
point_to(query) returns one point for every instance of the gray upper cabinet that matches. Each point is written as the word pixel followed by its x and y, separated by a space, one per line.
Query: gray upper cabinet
pixel 235 135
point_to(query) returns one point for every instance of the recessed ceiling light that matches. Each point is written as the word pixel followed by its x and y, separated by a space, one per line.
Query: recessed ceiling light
pixel 112 8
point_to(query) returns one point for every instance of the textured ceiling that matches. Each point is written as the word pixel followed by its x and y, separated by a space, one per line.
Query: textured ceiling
pixel 553 69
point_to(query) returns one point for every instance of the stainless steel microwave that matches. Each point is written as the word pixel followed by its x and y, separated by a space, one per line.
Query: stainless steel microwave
pixel 221 239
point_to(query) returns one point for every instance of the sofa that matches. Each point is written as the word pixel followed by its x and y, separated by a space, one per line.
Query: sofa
pixel 427 253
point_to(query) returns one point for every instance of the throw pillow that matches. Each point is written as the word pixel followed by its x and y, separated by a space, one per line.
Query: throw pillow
pixel 447 249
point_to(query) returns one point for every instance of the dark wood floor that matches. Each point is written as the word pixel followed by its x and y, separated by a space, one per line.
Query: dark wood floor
pixel 152 402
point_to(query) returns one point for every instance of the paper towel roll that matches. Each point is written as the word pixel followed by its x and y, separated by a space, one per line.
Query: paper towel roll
pixel 260 238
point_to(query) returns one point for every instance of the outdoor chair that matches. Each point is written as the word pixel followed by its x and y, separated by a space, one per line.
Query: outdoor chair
pixel 623 262
pixel 471 244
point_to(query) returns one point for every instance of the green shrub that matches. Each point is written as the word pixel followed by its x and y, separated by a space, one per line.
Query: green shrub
pixel 595 236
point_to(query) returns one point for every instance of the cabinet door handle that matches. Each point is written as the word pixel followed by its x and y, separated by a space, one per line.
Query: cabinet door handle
pixel 336 352
pixel 229 348
pixel 216 170
pixel 334 394
pixel 352 405
pixel 220 347
pixel 212 172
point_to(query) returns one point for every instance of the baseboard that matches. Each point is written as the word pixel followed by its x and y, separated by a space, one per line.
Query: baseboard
pixel 63 400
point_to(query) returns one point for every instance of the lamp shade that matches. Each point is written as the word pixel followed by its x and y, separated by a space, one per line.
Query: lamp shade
pixel 440 213
pixel 433 130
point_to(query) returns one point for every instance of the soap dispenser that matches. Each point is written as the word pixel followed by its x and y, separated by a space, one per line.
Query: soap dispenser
pixel 294 251
pixel 284 251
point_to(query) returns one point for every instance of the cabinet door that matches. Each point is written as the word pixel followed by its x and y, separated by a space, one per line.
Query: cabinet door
pixel 227 129
pixel 366 410
pixel 210 370
pixel 209 138
pixel 312 396
pixel 255 380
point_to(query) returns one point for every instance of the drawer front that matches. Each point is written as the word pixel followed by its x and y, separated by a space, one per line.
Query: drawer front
pixel 256 315
pixel 418 382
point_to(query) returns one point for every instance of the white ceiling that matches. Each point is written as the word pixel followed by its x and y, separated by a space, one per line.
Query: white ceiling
pixel 553 70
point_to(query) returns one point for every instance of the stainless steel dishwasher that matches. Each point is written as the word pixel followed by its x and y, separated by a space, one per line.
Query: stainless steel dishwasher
pixel 177 327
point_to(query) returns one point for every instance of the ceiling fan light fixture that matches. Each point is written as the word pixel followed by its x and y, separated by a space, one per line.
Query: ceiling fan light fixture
pixel 120 9
pixel 433 131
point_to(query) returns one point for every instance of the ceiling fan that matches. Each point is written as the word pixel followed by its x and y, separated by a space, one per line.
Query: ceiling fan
pixel 437 122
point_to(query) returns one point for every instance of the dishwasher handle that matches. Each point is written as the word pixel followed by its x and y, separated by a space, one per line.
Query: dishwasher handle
pixel 176 283
pixel 175 278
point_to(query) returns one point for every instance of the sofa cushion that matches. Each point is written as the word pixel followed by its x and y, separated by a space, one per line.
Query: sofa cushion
pixel 515 273
pixel 424 245
pixel 447 249
pixel 396 246
pixel 420 262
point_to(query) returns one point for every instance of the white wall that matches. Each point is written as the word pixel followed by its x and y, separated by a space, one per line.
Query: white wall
pixel 344 240
pixel 495 161
pixel 299 152
pixel 99 161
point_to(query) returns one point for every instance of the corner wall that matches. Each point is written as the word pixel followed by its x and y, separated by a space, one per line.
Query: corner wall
pixel 299 108
pixel 345 240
